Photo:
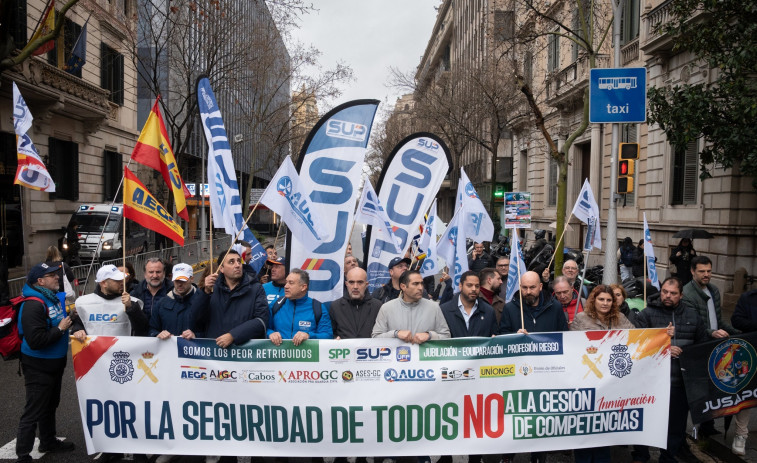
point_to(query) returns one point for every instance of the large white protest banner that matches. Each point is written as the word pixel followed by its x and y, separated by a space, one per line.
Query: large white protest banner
pixel 367 397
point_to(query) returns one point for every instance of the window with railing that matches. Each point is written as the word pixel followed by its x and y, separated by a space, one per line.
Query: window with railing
pixel 629 24
pixel 553 52
pixel 64 46
pixel 112 73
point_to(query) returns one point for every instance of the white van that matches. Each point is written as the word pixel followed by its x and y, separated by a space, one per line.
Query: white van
pixel 105 241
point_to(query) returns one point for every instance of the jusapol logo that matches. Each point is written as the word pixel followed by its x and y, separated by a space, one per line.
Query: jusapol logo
pixel 393 375
pixel 346 130
pixel 403 354
pixel 374 354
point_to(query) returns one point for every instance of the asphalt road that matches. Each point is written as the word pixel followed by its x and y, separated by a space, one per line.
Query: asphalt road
pixel 70 427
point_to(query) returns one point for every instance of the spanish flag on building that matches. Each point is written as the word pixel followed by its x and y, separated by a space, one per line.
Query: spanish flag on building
pixel 154 150
pixel 46 25
pixel 142 207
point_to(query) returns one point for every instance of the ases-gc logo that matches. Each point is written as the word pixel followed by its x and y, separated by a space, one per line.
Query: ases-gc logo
pixel 731 365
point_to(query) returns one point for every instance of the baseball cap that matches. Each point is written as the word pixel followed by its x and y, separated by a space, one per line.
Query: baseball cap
pixel 278 260
pixel 40 270
pixel 109 272
pixel 182 272
pixel 398 260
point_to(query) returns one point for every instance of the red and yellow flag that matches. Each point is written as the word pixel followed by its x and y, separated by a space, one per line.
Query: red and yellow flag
pixel 154 150
pixel 45 27
pixel 142 207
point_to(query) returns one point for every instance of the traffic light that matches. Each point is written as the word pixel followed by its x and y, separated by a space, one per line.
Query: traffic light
pixel 625 176
pixel 629 151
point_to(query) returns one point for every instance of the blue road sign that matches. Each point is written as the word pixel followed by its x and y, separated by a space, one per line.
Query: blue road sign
pixel 618 95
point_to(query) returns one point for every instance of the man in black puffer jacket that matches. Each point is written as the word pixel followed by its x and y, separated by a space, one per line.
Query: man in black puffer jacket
pixel 666 310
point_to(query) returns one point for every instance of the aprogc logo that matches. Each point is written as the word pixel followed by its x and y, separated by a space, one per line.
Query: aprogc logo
pixel 346 130
pixel 313 376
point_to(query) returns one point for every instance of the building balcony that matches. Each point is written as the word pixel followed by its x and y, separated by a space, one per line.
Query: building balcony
pixel 629 53
pixel 652 41
pixel 568 85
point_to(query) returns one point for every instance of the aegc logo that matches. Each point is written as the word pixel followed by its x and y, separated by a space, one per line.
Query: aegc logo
pixel 103 317
pixel 196 373
pixel 346 130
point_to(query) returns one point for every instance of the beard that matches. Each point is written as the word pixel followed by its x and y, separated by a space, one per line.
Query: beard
pixel 531 299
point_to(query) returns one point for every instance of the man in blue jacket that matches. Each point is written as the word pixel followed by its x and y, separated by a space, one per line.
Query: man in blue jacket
pixel 274 289
pixel 467 314
pixel 232 305
pixel 44 325
pixel 296 316
pixel 172 316
pixel 541 312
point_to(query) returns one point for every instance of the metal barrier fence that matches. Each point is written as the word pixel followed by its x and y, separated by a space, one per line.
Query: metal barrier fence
pixel 191 253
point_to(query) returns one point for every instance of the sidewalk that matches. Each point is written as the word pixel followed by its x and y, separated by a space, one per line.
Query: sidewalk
pixel 720 444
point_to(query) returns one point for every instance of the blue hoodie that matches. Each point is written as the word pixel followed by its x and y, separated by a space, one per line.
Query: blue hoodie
pixel 297 315
pixel 39 325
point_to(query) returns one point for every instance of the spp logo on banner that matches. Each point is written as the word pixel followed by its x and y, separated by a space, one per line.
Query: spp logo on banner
pixel 339 355
pixel 374 354
pixel 225 376
pixel 450 374
pixel 258 376
pixel 194 373
pixel 346 130
pixel 392 375
pixel 403 354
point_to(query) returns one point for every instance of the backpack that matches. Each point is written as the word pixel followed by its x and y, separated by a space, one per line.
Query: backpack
pixel 10 337
pixel 317 309
pixel 626 255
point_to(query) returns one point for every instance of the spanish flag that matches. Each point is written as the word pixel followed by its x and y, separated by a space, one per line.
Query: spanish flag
pixel 142 207
pixel 154 150
pixel 46 25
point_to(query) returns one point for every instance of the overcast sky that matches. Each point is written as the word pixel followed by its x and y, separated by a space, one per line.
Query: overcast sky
pixel 369 36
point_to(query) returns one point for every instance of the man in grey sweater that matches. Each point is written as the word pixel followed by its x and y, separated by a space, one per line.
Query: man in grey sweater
pixel 411 317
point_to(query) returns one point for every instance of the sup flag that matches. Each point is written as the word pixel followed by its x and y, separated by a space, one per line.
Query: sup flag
pixel 516 260
pixel 427 244
pixel 225 202
pixel 451 248
pixel 649 254
pixel 46 25
pixel 154 150
pixel 142 207
pixel 370 212
pixel 31 171
pixel 286 196
pixel 478 224
pixel 586 207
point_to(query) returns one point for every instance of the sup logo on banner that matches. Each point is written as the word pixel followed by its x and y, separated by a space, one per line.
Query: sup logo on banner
pixel 346 130
pixel 121 368
pixel 375 354
pixel 731 365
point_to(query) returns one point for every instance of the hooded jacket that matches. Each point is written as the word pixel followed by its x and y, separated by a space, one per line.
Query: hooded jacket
pixel 298 315
pixel 39 325
pixel 174 314
pixel 142 293
pixel 688 325
pixel 241 312
pixel 547 315
pixel 351 318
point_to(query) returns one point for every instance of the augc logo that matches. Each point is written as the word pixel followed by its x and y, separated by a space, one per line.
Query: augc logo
pixel 346 130
pixel 392 375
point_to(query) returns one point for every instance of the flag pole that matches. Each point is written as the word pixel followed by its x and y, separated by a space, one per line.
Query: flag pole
pixel 646 262
pixel 239 232
pixel 557 245
pixel 520 294
pixel 210 219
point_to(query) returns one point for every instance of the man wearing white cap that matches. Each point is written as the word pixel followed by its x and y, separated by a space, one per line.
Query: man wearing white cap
pixel 109 311
pixel 172 315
